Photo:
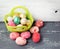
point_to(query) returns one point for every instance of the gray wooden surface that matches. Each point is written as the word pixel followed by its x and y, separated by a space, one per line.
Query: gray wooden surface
pixel 50 38
pixel 44 9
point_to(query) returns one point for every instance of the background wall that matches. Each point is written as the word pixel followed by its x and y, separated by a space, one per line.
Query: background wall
pixel 44 9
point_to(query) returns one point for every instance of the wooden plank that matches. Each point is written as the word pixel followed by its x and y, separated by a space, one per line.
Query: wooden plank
pixel 50 38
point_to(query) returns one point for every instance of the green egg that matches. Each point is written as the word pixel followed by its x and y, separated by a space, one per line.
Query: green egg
pixel 17 20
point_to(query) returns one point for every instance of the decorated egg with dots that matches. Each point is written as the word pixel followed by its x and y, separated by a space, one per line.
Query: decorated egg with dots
pixel 16 20
pixel 23 21
pixel 11 23
pixel 9 18
pixel 22 16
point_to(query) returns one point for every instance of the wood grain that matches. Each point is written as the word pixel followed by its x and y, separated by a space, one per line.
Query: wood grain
pixel 50 38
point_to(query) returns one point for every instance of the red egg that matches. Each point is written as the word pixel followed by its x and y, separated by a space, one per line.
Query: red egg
pixel 36 37
pixel 11 23
pixel 21 41
pixel 14 35
pixel 25 35
pixel 34 29
pixel 39 23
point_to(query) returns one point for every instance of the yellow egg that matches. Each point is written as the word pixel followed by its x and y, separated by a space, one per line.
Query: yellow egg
pixel 22 16
pixel 28 22
pixel 17 14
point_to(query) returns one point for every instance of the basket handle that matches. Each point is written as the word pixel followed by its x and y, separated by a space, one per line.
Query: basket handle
pixel 22 7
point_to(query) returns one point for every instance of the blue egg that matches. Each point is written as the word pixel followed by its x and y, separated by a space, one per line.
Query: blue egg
pixel 17 20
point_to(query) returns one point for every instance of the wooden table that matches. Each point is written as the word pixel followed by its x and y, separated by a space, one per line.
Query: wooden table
pixel 50 38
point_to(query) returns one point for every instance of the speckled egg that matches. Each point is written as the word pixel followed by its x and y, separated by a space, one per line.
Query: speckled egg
pixel 22 16
pixel 21 41
pixel 16 20
pixel 9 18
pixel 23 21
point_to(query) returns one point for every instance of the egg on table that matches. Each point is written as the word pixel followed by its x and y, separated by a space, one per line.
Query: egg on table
pixel 14 35
pixel 25 34
pixel 39 23
pixel 34 29
pixel 20 41
pixel 36 37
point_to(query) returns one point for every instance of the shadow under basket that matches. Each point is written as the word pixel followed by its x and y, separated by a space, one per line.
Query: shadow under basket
pixel 19 28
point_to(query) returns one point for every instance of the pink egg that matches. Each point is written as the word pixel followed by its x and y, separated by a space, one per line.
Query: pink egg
pixel 21 41
pixel 25 35
pixel 39 23
pixel 14 35
pixel 34 29
pixel 11 23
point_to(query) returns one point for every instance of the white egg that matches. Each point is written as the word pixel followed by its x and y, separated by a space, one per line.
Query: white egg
pixel 23 21
pixel 22 16
pixel 9 18
pixel 20 25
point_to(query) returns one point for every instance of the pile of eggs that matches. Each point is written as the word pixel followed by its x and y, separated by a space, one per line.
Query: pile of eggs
pixel 18 20
pixel 22 38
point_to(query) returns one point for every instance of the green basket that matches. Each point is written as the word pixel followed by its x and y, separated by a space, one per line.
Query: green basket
pixel 19 28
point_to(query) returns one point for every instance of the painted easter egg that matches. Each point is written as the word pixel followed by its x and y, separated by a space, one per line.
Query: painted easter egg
pixel 36 37
pixel 20 25
pixel 22 16
pixel 26 34
pixel 23 21
pixel 21 41
pixel 11 23
pixel 16 20
pixel 9 18
pixel 28 22
pixel 14 35
pixel 39 23
pixel 34 29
